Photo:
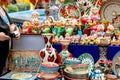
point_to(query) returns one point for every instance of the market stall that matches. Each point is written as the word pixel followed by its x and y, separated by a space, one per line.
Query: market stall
pixel 81 42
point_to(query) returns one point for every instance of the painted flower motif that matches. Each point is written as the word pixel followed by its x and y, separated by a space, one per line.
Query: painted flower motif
pixel 69 11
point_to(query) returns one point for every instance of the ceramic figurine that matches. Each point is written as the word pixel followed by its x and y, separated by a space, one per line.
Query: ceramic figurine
pixel 26 28
pixel 59 28
pixel 65 53
pixel 76 26
pixel 35 22
pixel 36 27
pixel 97 75
pixel 105 23
pixel 100 30
pixel 69 27
pixel 46 27
pixel 95 15
pixel 115 41
pixel 79 28
pixel 35 16
pixel 110 29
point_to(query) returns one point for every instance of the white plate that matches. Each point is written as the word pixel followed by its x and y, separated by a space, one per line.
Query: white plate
pixel 21 76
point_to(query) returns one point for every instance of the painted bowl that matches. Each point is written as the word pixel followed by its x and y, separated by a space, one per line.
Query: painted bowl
pixel 65 42
pixel 47 76
pixel 77 71
pixel 70 61
pixel 49 67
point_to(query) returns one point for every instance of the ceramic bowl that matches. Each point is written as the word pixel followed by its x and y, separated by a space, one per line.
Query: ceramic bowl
pixel 77 71
pixel 70 61
pixel 45 76
pixel 49 67
pixel 65 42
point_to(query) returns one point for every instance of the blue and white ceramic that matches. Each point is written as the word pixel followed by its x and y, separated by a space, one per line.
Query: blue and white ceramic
pixel 87 58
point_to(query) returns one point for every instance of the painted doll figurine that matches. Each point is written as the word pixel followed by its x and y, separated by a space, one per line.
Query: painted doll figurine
pixel 110 29
pixel 35 23
pixel 100 30
pixel 69 27
pixel 46 27
pixel 26 28
pixel 95 15
pixel 59 28
pixel 35 16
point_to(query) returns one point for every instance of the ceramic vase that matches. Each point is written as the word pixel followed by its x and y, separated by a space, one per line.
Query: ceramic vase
pixel 48 53
pixel 64 54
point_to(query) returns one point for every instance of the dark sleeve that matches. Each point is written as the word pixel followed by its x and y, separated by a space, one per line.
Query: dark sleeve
pixel 7 16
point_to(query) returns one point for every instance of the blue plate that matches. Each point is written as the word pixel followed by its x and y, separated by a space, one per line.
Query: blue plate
pixel 116 60
pixel 87 58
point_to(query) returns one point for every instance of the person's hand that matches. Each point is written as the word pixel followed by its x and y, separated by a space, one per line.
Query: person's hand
pixel 15 29
pixel 3 36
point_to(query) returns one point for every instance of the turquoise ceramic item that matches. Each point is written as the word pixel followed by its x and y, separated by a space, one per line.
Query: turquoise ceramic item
pixel 87 58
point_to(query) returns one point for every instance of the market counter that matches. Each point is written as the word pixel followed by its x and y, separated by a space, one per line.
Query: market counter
pixel 36 42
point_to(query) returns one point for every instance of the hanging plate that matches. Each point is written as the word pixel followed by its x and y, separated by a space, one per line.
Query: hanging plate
pixel 110 10
pixel 69 10
pixel 116 64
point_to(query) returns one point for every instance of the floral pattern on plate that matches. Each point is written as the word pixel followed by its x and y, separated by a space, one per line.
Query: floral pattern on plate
pixel 116 64
pixel 69 10
pixel 87 58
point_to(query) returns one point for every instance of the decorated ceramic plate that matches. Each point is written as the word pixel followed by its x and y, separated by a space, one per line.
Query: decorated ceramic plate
pixel 69 10
pixel 110 9
pixel 116 64
pixel 87 58
pixel 21 76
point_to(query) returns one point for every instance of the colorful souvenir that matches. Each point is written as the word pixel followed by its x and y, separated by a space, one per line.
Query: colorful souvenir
pixel 49 54
pixel 95 15
pixel 86 58
pixel 85 6
pixel 26 28
pixel 116 64
pixel 116 23
pixel 65 53
pixel 76 71
pixel 110 10
pixel 59 28
pixel 69 10
pixel 110 29
pixel 35 23
pixel 46 25
pixel 100 30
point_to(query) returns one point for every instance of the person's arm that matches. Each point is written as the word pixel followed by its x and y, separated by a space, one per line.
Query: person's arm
pixel 3 36
pixel 13 27
pixel 7 16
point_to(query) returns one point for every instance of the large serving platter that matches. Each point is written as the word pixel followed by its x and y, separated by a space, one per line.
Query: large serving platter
pixel 19 76
pixel 116 64
pixel 110 10
pixel 87 58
